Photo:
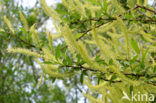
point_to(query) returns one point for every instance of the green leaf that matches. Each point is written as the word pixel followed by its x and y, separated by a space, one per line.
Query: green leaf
pixel 64 62
pixel 131 89
pixel 99 60
pixel 78 35
pixel 111 62
pixel 53 80
pixel 128 16
pixel 85 73
pixel 154 69
pixel 99 78
pixel 81 77
pixel 2 32
pixel 47 62
pixel 79 59
pixel 105 6
pixel 135 46
pixel 134 59
pixel 144 55
pixel 69 60
pixel 94 2
pixel 113 9
pixel 58 51
pixel 113 78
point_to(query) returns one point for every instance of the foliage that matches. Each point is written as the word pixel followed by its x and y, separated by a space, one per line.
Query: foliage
pixel 109 45
pixel 19 75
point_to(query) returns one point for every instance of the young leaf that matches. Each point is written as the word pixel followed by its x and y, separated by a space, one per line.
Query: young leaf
pixel 111 62
pixel 23 30
pixel 134 59
pixel 135 46
pixel 144 55
pixel 113 78
pixel 105 6
pixel 47 62
pixel 57 51
pixel 69 60
pixel 78 35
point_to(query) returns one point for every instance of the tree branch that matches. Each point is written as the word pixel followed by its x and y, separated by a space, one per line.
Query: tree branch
pixel 80 67
pixel 143 7
pixel 21 40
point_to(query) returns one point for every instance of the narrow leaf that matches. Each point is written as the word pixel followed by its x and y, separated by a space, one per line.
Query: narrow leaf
pixel 135 46
pixel 57 51
pixel 41 79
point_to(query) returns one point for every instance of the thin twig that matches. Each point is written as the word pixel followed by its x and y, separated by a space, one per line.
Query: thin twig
pixel 143 7
pixel 93 70
pixel 21 40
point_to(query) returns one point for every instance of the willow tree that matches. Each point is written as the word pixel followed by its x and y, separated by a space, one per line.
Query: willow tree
pixel 111 45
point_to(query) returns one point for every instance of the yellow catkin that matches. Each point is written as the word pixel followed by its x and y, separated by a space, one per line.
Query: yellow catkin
pixel 127 39
pixel 55 36
pixel 118 6
pixel 80 8
pixel 46 67
pixel 79 47
pixel 41 79
pixel 153 61
pixel 101 86
pixel 148 37
pixel 72 45
pixel 83 52
pixel 106 27
pixel 24 21
pixel 52 67
pixel 89 41
pixel 48 55
pixel 6 20
pixel 50 38
pixel 115 42
pixel 51 12
pixel 72 5
pixel 107 54
pixel 50 72
pixel 91 98
pixel 34 34
pixel 24 51
pixel 92 8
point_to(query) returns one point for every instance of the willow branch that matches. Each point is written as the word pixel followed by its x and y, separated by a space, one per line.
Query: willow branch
pixel 113 18
pixel 85 32
pixel 80 67
pixel 23 41
pixel 127 74
pixel 143 7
